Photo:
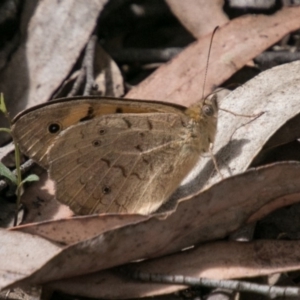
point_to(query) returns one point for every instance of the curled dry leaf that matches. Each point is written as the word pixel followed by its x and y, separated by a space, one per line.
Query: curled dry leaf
pixel 218 260
pixel 197 219
pixel 235 43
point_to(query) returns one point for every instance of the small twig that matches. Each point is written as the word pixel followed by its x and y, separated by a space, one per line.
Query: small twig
pixel 89 64
pixel 239 286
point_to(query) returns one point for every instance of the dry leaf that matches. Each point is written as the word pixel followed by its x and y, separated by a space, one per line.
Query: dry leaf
pixel 71 231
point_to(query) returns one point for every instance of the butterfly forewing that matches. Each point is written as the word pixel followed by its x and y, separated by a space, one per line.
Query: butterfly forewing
pixel 123 163
pixel 36 128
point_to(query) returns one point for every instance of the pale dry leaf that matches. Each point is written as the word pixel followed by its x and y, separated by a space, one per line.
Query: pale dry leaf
pixel 239 139
pixel 199 17
pixel 181 80
pixel 197 219
pixel 42 61
pixel 218 260
pixel 21 254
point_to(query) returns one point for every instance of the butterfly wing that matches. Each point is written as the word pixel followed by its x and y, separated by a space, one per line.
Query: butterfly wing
pixel 122 163
pixel 36 128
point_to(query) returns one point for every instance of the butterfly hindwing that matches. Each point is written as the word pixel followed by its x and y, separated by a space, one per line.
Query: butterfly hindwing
pixel 121 163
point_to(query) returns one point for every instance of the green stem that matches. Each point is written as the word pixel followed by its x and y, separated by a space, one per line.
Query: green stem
pixel 17 157
pixel 6 130
pixel 19 181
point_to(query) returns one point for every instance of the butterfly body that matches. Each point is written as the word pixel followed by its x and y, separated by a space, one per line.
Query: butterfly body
pixel 112 155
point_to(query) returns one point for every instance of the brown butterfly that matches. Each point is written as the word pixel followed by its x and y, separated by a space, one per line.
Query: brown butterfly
pixel 115 155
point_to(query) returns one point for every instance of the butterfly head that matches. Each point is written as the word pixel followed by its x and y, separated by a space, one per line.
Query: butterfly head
pixel 204 114
pixel 204 110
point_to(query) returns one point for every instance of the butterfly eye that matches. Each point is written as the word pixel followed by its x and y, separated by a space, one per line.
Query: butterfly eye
pixel 106 190
pixel 54 128
pixel 208 110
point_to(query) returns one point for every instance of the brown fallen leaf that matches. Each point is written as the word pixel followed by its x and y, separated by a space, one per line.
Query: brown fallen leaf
pixel 74 230
pixel 196 220
pixel 180 81
pixel 273 205
pixel 218 260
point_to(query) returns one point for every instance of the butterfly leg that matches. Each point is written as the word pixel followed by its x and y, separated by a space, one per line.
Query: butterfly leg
pixel 214 160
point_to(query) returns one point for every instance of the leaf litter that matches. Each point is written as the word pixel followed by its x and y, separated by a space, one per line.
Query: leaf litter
pixel 72 254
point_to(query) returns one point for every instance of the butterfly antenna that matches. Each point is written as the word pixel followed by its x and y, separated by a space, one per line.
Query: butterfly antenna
pixel 207 62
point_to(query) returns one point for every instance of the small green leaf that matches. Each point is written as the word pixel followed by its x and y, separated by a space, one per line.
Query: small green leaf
pixel 2 104
pixel 31 178
pixel 7 173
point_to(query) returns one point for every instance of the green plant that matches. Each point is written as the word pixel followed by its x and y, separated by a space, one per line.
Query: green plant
pixel 14 177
